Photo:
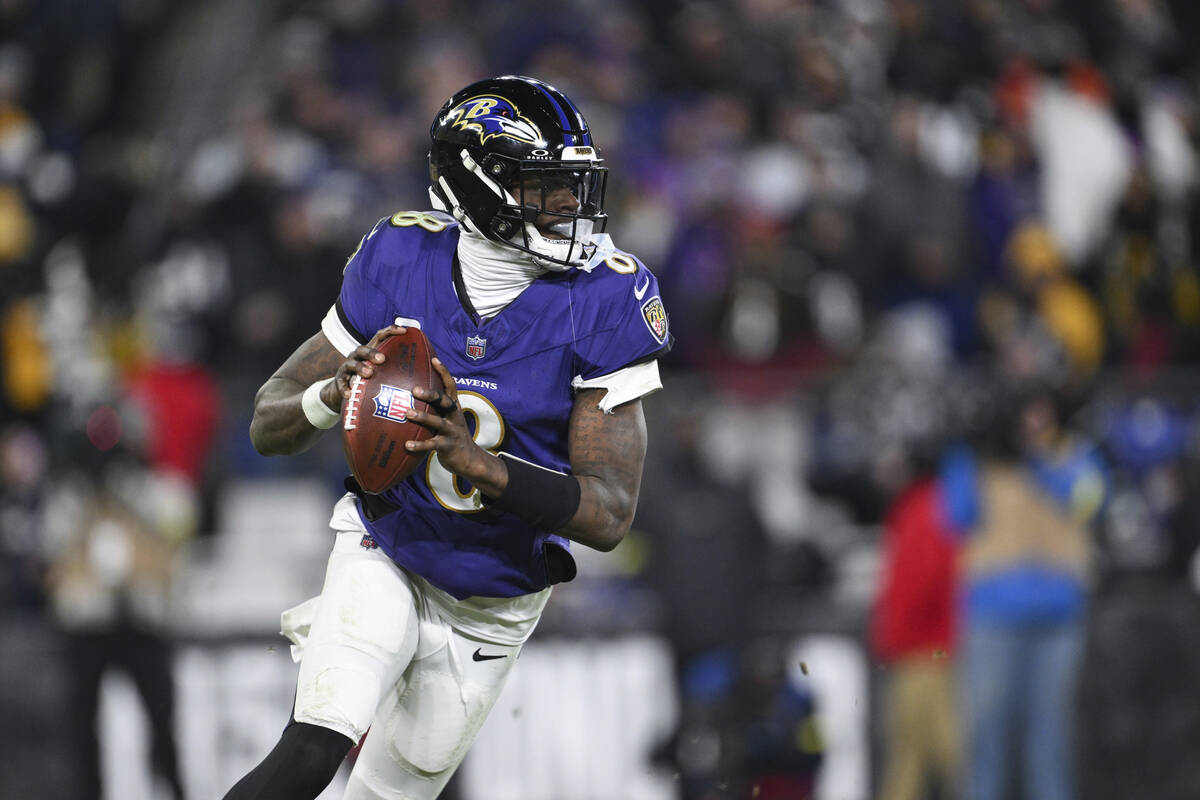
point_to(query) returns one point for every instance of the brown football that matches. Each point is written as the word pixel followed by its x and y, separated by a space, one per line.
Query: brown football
pixel 375 422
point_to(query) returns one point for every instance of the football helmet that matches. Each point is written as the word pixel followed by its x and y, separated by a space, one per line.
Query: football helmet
pixel 500 147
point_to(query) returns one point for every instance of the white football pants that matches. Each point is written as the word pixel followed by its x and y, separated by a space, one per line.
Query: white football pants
pixel 384 650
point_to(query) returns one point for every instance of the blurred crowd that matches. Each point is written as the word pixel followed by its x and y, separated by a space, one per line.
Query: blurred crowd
pixel 871 220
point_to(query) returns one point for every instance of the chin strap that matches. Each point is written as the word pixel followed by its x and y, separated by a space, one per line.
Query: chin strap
pixel 455 208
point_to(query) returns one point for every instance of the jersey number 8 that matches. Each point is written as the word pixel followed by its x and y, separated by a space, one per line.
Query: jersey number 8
pixel 406 219
pixel 489 433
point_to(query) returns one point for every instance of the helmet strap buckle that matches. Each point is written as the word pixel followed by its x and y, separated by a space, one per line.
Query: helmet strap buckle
pixel 495 168
pixel 503 225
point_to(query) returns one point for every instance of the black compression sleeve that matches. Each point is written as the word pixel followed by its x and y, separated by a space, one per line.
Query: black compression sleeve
pixel 544 498
pixel 303 763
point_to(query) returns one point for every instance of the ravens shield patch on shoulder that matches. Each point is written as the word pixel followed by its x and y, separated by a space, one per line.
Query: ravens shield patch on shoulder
pixel 655 315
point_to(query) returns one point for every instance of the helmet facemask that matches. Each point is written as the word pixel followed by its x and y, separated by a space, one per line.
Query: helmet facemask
pixel 514 194
pixel 564 239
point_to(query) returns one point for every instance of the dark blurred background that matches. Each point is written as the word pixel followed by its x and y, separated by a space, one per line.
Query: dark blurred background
pixel 879 227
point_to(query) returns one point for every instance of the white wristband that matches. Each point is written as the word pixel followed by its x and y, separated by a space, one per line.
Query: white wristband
pixel 315 411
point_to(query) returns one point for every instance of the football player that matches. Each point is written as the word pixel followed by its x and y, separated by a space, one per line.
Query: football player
pixel 547 337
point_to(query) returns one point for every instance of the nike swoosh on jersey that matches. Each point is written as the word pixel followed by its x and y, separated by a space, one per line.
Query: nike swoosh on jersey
pixel 640 292
pixel 478 656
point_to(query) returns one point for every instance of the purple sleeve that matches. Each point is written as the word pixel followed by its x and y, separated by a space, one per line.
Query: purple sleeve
pixel 960 495
pixel 363 306
pixel 628 325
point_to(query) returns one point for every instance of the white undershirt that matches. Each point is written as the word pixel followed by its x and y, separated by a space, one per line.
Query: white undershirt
pixel 493 274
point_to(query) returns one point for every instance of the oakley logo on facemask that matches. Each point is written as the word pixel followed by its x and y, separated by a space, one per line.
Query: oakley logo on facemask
pixel 489 115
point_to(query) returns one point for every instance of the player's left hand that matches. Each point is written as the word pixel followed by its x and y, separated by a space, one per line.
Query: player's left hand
pixel 452 440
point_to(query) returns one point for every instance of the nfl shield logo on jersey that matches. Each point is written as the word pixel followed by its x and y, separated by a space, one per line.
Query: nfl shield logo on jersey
pixel 393 403
pixel 476 346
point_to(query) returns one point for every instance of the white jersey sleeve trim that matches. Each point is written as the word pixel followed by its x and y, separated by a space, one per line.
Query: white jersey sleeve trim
pixel 628 383
pixel 337 334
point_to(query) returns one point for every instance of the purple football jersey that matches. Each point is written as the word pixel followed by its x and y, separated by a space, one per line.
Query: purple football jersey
pixel 514 373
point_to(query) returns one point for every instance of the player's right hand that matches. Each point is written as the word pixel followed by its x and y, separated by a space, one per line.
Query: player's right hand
pixel 362 361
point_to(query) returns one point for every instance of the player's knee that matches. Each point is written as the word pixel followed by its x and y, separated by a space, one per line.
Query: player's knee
pixel 338 696
pixel 434 737
pixel 395 778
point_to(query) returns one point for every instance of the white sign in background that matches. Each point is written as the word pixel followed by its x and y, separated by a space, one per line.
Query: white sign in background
pixel 577 721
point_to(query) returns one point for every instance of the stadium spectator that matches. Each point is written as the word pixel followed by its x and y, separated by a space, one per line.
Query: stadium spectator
pixel 913 632
pixel 115 526
pixel 1026 505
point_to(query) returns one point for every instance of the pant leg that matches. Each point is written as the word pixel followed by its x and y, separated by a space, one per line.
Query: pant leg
pixel 428 722
pixel 992 670
pixel 362 637
pixel 904 764
pixel 922 730
pixel 353 642
pixel 87 655
pixel 945 729
pixel 147 658
pixel 1049 751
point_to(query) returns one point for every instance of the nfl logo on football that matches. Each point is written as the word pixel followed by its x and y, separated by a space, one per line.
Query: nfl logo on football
pixel 476 345
pixel 393 403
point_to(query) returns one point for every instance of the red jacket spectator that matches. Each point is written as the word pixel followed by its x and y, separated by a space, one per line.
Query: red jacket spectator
pixel 183 407
pixel 915 610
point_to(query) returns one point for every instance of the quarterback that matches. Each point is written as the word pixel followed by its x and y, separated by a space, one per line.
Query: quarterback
pixel 547 338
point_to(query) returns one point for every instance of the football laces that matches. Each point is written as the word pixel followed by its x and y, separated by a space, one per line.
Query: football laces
pixel 353 402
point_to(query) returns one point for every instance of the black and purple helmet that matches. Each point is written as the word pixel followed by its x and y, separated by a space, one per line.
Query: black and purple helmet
pixel 499 141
